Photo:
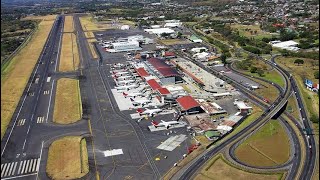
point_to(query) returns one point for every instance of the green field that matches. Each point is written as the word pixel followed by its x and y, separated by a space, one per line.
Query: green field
pixel 270 146
pixel 218 168
pixel 272 76
pixel 242 31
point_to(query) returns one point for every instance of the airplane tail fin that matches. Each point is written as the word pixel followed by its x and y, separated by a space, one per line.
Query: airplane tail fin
pixel 131 100
pixel 125 94
pixel 139 110
pixel 154 123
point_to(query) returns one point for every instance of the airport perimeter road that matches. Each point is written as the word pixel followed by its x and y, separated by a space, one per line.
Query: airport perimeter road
pixel 110 129
pixel 30 131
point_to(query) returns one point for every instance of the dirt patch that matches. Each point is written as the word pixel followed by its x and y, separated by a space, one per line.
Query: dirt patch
pixel 68 24
pixel 69 58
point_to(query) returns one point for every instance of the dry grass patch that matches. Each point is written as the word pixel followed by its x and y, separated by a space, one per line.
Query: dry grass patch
pixel 217 168
pixel 15 75
pixel 67 104
pixel 242 31
pixel 267 91
pixel 93 51
pixel 69 58
pixel 43 18
pixel 68 158
pixel 268 147
pixel 91 40
pixel 301 72
pixel 169 42
pixel 89 34
pixel 292 107
pixel 89 24
pixel 68 24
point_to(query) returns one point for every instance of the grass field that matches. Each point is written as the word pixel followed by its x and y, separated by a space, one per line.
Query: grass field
pixel 92 50
pixel 68 158
pixel 292 107
pixel 67 104
pixel 69 57
pixel 68 24
pixel 169 42
pixel 300 72
pixel 88 24
pixel 267 91
pixel 218 168
pixel 89 34
pixel 272 76
pixel 242 31
pixel 270 146
pixel 15 74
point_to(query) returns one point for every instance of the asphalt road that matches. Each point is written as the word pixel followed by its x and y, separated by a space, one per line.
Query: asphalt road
pixel 31 131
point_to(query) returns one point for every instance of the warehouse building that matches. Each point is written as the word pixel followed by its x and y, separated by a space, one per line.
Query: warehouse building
pixel 124 47
pixel 159 31
pixel 188 105
pixel 167 74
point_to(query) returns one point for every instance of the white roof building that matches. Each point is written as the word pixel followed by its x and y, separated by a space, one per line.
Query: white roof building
pixel 124 46
pixel 224 128
pixel 159 31
pixel 289 45
pixel 172 21
pixel 198 49
pixel 241 105
pixel 125 27
pixel 172 25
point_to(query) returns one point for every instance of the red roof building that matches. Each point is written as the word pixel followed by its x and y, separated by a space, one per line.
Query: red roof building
pixel 169 54
pixel 187 102
pixel 163 91
pixel 153 84
pixel 163 68
pixel 142 72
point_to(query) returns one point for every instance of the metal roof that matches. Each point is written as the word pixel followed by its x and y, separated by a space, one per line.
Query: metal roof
pixel 187 102
pixel 153 84
pixel 142 72
pixel 163 68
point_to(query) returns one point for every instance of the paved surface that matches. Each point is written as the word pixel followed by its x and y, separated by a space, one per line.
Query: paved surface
pixel 25 143
pixel 114 129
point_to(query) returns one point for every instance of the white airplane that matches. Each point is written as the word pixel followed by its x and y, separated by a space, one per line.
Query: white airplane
pixel 117 65
pixel 133 94
pixel 122 78
pixel 149 112
pixel 120 73
pixel 164 123
pixel 127 87
pixel 126 82
pixel 141 102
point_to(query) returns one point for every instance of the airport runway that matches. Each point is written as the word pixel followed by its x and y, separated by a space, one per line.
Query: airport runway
pixel 31 130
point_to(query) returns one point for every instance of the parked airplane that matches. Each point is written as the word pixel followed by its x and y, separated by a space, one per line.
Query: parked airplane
pixel 141 102
pixel 127 87
pixel 164 123
pixel 120 73
pixel 122 78
pixel 149 112
pixel 126 82
pixel 133 94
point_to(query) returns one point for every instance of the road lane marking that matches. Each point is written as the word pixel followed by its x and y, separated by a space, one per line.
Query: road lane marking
pixel 31 164
pixel 24 143
pixel 14 168
pixel 28 129
pixel 49 101
pixel 40 119
pixel 34 165
pixel 48 79
pixel 2 166
pixel 39 160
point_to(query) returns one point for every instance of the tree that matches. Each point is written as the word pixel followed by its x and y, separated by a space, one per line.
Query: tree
pixel 223 58
pixel 316 75
pixel 179 35
pixel 298 61
pixel 253 69
pixel 314 118
pixel 260 72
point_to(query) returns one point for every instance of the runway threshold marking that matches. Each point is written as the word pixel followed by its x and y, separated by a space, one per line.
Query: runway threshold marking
pixel 40 119
pixel 21 122
pixel 46 92
pixel 26 167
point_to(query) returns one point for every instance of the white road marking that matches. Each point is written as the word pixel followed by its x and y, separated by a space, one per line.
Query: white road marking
pixel 14 168
pixel 30 165
pixel 34 165
pixel 21 122
pixel 11 168
pixel 26 168
pixel 19 167
pixel 4 169
pixel 48 79
pixel 46 92
pixel 15 177
pixel 28 129
pixel 40 119
pixel 24 143
pixel 39 161
pixel 49 101
pixel 7 170
pixel 2 166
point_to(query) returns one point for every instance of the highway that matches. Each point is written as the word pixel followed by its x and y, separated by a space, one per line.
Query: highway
pixel 30 132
